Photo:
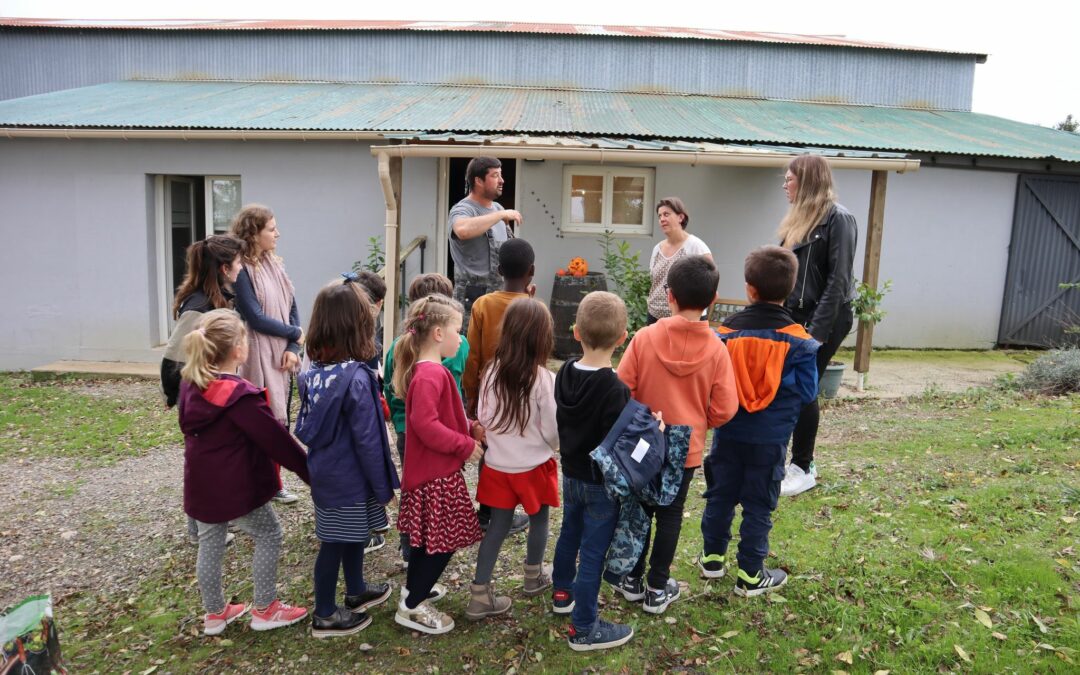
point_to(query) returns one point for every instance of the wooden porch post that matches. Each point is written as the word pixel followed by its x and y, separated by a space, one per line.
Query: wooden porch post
pixel 390 178
pixel 871 262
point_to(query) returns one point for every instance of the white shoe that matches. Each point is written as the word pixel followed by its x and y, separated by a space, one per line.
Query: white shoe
pixel 424 618
pixel 436 594
pixel 797 481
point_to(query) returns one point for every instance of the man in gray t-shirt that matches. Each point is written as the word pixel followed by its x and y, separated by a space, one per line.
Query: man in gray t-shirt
pixel 478 227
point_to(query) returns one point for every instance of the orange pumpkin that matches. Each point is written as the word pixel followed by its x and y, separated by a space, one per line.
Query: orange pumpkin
pixel 561 272
pixel 578 267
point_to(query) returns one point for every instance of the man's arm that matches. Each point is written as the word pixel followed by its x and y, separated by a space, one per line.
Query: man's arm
pixel 471 228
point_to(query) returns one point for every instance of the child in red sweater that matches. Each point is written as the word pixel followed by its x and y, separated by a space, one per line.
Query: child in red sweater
pixel 436 509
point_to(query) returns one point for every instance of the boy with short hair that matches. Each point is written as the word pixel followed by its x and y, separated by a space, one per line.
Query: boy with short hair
pixel 775 363
pixel 375 287
pixel 678 368
pixel 589 398
pixel 517 267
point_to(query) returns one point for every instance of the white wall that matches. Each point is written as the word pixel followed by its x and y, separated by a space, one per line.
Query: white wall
pixel 79 272
pixel 945 244
pixel 77 261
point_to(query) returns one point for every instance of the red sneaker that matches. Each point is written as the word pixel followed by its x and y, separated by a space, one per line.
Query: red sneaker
pixel 277 615
pixel 214 624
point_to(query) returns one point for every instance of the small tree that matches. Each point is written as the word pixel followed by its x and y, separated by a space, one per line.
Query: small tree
pixel 376 260
pixel 631 282
pixel 1069 124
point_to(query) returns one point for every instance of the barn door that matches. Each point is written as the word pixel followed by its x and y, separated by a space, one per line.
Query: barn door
pixel 1045 252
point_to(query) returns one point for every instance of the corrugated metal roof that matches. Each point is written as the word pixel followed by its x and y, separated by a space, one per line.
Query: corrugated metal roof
pixel 468 26
pixel 435 108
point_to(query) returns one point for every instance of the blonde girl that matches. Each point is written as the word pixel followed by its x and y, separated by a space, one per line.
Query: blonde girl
pixel 436 510
pixel 231 443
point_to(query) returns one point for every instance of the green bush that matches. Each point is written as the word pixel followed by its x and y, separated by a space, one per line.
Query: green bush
pixel 627 278
pixel 1055 372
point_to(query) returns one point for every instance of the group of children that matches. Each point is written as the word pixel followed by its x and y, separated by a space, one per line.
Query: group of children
pixel 492 400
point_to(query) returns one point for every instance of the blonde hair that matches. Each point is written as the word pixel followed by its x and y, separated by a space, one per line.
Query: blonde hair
pixel 601 320
pixel 246 227
pixel 219 332
pixel 813 199
pixel 424 316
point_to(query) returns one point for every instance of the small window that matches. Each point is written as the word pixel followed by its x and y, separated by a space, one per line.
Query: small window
pixel 223 202
pixel 600 198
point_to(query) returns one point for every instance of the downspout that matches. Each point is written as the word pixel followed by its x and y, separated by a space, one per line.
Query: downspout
pixel 390 307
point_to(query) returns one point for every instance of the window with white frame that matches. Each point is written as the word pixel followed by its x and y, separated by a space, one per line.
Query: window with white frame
pixel 598 198
pixel 222 202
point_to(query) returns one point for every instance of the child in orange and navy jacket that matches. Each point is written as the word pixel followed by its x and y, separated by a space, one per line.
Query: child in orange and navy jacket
pixel 775 365
pixel 678 368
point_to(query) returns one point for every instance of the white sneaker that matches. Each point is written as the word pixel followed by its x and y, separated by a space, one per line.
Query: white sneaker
pixel 796 481
pixel 436 594
pixel 424 618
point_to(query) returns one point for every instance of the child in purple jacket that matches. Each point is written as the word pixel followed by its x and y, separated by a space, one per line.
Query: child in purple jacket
pixel 231 441
pixel 352 474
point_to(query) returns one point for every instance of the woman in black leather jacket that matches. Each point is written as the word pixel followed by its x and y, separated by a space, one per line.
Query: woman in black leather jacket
pixel 823 235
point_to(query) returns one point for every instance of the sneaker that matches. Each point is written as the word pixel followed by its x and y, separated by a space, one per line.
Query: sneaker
pixel 562 602
pixel 424 618
pixel 381 530
pixel 765 581
pixel 373 596
pixel 374 543
pixel 193 539
pixel 656 601
pixel 341 622
pixel 712 565
pixel 520 523
pixel 604 635
pixel 437 592
pixel 632 589
pixel 214 624
pixel 797 481
pixel 277 615
pixel 283 496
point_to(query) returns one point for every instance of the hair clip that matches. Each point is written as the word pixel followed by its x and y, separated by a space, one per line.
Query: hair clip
pixel 350 277
pixel 420 317
pixel 411 331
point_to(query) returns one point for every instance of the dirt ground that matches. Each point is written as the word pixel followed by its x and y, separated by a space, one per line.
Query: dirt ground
pixel 89 527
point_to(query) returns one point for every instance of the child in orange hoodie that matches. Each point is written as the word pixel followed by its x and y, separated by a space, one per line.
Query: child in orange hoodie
pixel 680 368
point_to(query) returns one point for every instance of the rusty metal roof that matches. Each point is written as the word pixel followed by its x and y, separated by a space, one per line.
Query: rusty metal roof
pixel 514 110
pixel 471 26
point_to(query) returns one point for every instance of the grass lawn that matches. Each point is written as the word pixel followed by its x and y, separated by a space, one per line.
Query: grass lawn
pixel 942 537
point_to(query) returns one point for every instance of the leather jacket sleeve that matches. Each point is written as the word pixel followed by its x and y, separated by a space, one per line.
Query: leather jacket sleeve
pixel 843 235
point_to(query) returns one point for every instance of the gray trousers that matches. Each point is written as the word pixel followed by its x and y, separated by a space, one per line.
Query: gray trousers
pixel 263 526
pixel 499 529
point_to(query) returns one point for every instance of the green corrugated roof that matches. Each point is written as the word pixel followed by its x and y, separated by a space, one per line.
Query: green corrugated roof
pixel 486 109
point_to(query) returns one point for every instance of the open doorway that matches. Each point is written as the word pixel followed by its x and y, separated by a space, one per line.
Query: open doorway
pixel 456 190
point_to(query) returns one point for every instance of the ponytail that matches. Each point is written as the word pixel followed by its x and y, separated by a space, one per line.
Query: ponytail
pixel 424 316
pixel 204 261
pixel 219 332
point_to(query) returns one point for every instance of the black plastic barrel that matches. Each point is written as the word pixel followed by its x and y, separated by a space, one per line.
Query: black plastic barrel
pixel 566 295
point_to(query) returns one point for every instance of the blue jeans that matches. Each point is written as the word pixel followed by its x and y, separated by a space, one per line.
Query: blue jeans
pixel 747 474
pixel 589 518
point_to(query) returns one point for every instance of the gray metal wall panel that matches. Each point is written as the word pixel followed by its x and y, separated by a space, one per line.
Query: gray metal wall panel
pixel 33 62
pixel 1045 252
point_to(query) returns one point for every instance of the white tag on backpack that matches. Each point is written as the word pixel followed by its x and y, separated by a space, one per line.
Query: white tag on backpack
pixel 639 451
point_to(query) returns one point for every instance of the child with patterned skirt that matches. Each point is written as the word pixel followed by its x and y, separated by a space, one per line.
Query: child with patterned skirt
pixel 436 509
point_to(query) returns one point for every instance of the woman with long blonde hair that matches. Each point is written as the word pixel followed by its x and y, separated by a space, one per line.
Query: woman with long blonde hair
pixel 822 234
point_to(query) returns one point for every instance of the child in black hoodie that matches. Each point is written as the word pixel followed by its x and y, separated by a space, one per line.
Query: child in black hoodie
pixel 589 398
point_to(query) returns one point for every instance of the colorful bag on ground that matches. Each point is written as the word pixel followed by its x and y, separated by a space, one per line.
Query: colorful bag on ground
pixel 29 644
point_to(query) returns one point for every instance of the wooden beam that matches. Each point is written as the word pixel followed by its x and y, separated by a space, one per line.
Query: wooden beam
pixel 875 223
pixel 393 268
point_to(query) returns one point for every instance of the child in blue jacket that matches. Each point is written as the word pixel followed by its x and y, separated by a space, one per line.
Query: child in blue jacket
pixel 774 361
pixel 352 474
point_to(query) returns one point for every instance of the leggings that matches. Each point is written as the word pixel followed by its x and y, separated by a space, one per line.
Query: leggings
pixel 332 557
pixel 424 570
pixel 262 524
pixel 804 438
pixel 498 529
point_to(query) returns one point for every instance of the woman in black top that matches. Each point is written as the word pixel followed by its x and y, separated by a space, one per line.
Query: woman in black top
pixel 822 234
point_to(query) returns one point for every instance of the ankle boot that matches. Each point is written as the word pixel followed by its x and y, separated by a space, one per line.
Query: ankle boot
pixel 537 579
pixel 485 603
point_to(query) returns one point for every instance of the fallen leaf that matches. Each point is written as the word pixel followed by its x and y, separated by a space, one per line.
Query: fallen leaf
pixel 1068 520
pixel 670 620
pixel 776 597
pixel 882 672
pixel 365 647
pixel 225 642
pixel 845 657
pixel 1043 645
pixel 984 618
pixel 1038 622
pixel 999 636
pixel 148 670
pixel 728 635
pixel 961 653
pixel 1062 561
pixel 839 672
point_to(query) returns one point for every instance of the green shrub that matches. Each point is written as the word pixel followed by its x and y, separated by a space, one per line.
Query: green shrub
pixel 629 280
pixel 1055 372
